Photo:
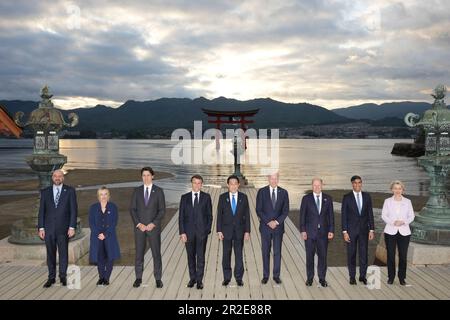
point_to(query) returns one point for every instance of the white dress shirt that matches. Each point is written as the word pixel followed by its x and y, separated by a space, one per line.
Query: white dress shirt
pixel 276 198
pixel 55 191
pixel 355 194
pixel 320 200
pixel 235 197
pixel 149 190
pixel 276 194
pixel 193 197
pixel 397 210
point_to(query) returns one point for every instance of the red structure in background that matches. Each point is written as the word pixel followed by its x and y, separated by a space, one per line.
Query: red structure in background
pixel 7 125
pixel 230 117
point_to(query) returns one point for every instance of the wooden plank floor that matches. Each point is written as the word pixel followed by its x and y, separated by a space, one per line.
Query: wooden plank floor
pixel 26 282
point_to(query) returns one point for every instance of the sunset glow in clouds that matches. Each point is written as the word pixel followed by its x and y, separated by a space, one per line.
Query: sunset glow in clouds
pixel 330 53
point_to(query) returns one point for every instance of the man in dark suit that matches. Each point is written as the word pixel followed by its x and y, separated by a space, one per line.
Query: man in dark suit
pixel 195 220
pixel 57 221
pixel 357 228
pixel 233 227
pixel 272 208
pixel 147 208
pixel 317 228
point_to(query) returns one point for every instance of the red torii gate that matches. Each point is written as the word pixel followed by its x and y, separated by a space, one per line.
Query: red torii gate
pixel 230 117
pixel 7 124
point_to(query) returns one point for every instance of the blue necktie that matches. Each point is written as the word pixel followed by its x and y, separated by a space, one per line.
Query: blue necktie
pixel 58 193
pixel 318 203
pixel 358 202
pixel 233 205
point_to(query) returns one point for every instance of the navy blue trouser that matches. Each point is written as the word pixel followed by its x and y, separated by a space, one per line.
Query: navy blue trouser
pixel 360 243
pixel 57 243
pixel 319 246
pixel 195 248
pixel 236 244
pixel 104 265
pixel 266 244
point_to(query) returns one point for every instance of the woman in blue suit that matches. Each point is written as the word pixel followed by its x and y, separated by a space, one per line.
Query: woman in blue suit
pixel 104 247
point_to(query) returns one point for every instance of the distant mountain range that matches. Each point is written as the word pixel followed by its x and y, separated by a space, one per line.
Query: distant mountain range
pixel 374 111
pixel 169 113
pixel 172 113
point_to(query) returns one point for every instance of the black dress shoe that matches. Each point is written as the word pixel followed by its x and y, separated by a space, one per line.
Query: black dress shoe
pixel 63 281
pixel 137 283
pixel 225 282
pixel 200 285
pixel 403 282
pixel 100 282
pixel 240 283
pixel 159 284
pixel 49 283
pixel 309 282
pixel 323 283
pixel 352 281
pixel 363 280
pixel 264 280
pixel 106 282
pixel 191 283
pixel 390 281
pixel 277 280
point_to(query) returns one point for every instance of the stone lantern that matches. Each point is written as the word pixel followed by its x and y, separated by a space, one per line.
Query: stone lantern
pixel 432 224
pixel 46 121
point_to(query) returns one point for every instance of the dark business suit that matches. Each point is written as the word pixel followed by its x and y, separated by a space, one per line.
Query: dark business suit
pixel 266 213
pixel 357 226
pixel 153 212
pixel 56 221
pixel 317 226
pixel 233 228
pixel 195 221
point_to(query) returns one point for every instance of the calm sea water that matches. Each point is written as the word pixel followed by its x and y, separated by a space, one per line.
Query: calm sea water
pixel 333 160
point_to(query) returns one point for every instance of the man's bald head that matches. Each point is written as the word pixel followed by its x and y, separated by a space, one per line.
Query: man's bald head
pixel 58 177
pixel 317 184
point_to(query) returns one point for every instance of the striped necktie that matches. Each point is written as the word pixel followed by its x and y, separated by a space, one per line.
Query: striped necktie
pixel 58 193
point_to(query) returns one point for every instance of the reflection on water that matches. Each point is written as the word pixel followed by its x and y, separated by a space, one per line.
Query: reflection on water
pixel 333 160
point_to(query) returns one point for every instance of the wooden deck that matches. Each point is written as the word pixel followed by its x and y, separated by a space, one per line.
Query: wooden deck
pixel 26 282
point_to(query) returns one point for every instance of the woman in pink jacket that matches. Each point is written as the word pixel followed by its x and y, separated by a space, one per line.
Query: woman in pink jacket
pixel 398 213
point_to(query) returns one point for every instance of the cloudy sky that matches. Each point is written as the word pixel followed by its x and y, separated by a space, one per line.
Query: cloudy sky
pixel 331 53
